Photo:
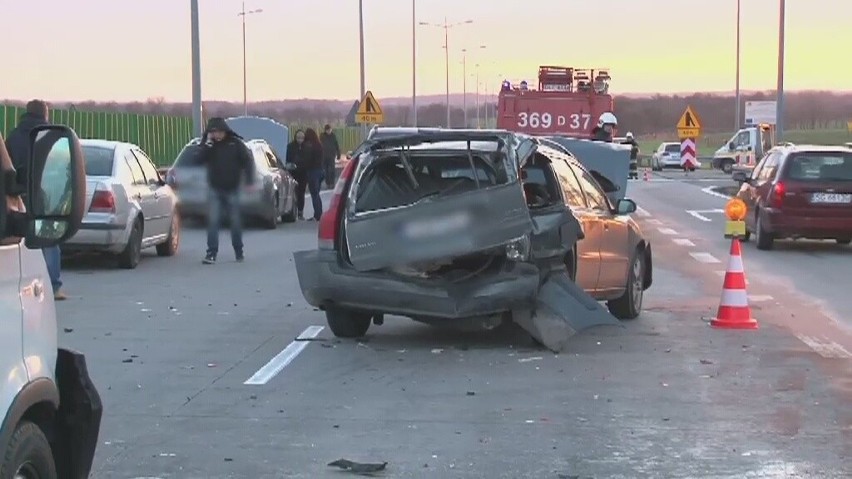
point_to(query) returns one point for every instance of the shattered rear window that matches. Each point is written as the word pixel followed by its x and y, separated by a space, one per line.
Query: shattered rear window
pixel 389 184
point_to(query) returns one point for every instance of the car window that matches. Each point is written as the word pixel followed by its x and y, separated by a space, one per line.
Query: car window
pixel 820 166
pixel 743 139
pixel 135 169
pixel 99 160
pixel 189 156
pixel 570 186
pixel 271 160
pixel 755 173
pixel 594 196
pixel 770 166
pixel 260 160
pixel 672 148
pixel 148 169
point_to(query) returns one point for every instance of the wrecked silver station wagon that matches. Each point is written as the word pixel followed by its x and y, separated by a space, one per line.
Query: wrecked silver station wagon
pixel 438 225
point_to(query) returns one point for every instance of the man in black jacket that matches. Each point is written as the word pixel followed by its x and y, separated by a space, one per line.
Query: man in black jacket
pixel 330 153
pixel 228 162
pixel 18 145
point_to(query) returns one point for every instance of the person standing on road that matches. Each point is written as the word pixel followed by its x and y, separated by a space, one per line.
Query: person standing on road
pixel 330 153
pixel 228 161
pixel 634 155
pixel 305 152
pixel 18 146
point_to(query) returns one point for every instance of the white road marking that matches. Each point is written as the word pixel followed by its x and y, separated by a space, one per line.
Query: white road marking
pixel 667 231
pixel 285 357
pixel 642 212
pixel 825 347
pixel 760 298
pixel 703 257
pixel 709 190
pixel 683 242
pixel 655 222
pixel 698 213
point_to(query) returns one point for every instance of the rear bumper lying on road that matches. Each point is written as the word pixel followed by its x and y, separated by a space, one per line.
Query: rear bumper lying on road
pixel 326 282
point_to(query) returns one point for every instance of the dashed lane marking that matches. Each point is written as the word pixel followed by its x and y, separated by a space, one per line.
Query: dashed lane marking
pixel 700 214
pixel 710 191
pixel 760 298
pixel 285 357
pixel 703 257
pixel 667 231
pixel 655 222
pixel 683 242
pixel 825 347
pixel 642 212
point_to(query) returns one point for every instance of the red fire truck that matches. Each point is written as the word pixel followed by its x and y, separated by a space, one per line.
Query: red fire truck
pixel 568 101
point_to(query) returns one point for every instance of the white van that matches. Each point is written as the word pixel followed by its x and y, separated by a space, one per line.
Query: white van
pixel 52 411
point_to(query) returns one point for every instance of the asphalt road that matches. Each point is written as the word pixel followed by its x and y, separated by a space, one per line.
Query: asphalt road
pixel 172 344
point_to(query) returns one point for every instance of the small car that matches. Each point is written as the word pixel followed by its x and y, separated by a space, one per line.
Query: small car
pixel 129 206
pixel 802 191
pixel 668 156
pixel 448 225
pixel 274 201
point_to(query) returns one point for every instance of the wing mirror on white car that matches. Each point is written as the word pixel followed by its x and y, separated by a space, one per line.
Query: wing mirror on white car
pixel 56 188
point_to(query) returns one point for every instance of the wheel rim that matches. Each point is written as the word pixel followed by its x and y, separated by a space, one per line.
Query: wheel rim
pixel 26 471
pixel 175 232
pixel 636 282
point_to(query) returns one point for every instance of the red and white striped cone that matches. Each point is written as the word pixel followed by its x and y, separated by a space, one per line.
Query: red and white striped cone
pixel 734 311
pixel 645 175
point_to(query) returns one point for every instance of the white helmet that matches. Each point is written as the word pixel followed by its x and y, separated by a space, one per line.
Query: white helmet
pixel 629 135
pixel 607 119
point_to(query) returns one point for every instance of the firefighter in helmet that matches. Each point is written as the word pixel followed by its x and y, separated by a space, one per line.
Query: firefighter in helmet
pixel 634 155
pixel 605 128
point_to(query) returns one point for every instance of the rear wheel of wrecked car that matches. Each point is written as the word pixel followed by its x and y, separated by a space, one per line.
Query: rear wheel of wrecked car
pixel 345 323
pixel 28 455
pixel 129 258
pixel 629 305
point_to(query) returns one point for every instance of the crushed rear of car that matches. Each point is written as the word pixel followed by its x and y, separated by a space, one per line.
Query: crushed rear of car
pixel 434 225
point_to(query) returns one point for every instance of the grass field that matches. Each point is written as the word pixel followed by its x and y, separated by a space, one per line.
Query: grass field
pixel 708 144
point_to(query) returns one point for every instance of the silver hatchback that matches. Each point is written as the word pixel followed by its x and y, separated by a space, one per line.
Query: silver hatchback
pixel 129 207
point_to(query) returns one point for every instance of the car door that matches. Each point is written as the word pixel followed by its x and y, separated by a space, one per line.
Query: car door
pixel 143 194
pixel 11 315
pixel 759 185
pixel 614 250
pixel 588 248
pixel 162 200
pixel 278 187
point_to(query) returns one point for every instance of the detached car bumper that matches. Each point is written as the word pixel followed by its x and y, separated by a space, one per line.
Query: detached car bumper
pixel 326 282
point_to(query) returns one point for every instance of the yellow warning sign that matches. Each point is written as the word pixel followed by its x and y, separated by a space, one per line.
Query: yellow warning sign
pixel 689 126
pixel 369 111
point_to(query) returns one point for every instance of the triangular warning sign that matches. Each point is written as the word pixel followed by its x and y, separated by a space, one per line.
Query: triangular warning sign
pixel 689 119
pixel 369 105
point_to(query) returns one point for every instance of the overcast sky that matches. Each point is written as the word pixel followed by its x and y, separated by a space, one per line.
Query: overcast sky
pixel 132 50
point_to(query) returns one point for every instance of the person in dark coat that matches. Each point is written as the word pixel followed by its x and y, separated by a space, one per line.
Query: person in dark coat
pixel 330 154
pixel 305 153
pixel 634 155
pixel 229 163
pixel 18 146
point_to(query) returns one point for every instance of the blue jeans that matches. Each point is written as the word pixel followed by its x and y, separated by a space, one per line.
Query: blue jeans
pixel 310 180
pixel 224 202
pixel 53 259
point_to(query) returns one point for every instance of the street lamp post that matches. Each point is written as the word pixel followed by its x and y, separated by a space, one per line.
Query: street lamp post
pixel 446 26
pixel 197 125
pixel 361 42
pixel 737 109
pixel 414 63
pixel 779 105
pixel 243 13
pixel 464 85
pixel 478 118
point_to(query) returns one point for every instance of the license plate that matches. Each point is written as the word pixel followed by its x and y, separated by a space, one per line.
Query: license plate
pixel 831 198
pixel 436 226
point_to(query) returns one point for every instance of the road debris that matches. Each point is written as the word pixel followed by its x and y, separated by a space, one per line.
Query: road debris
pixel 357 467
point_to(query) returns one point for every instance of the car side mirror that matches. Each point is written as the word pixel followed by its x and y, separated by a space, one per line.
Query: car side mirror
pixel 732 146
pixel 625 206
pixel 56 188
pixel 740 177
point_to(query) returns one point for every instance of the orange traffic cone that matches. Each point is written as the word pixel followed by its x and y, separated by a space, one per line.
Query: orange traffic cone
pixel 734 311
pixel 645 175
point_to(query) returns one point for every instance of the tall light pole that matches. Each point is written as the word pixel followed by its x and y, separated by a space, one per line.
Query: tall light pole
pixel 447 26
pixel 464 85
pixel 478 118
pixel 361 41
pixel 197 120
pixel 243 13
pixel 737 95
pixel 779 105
pixel 414 62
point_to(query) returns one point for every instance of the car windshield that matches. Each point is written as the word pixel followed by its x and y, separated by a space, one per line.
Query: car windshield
pixel 98 160
pixel 672 148
pixel 814 166
pixel 189 156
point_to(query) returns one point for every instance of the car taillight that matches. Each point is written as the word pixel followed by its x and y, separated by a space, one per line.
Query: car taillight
pixel 329 222
pixel 778 192
pixel 102 202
